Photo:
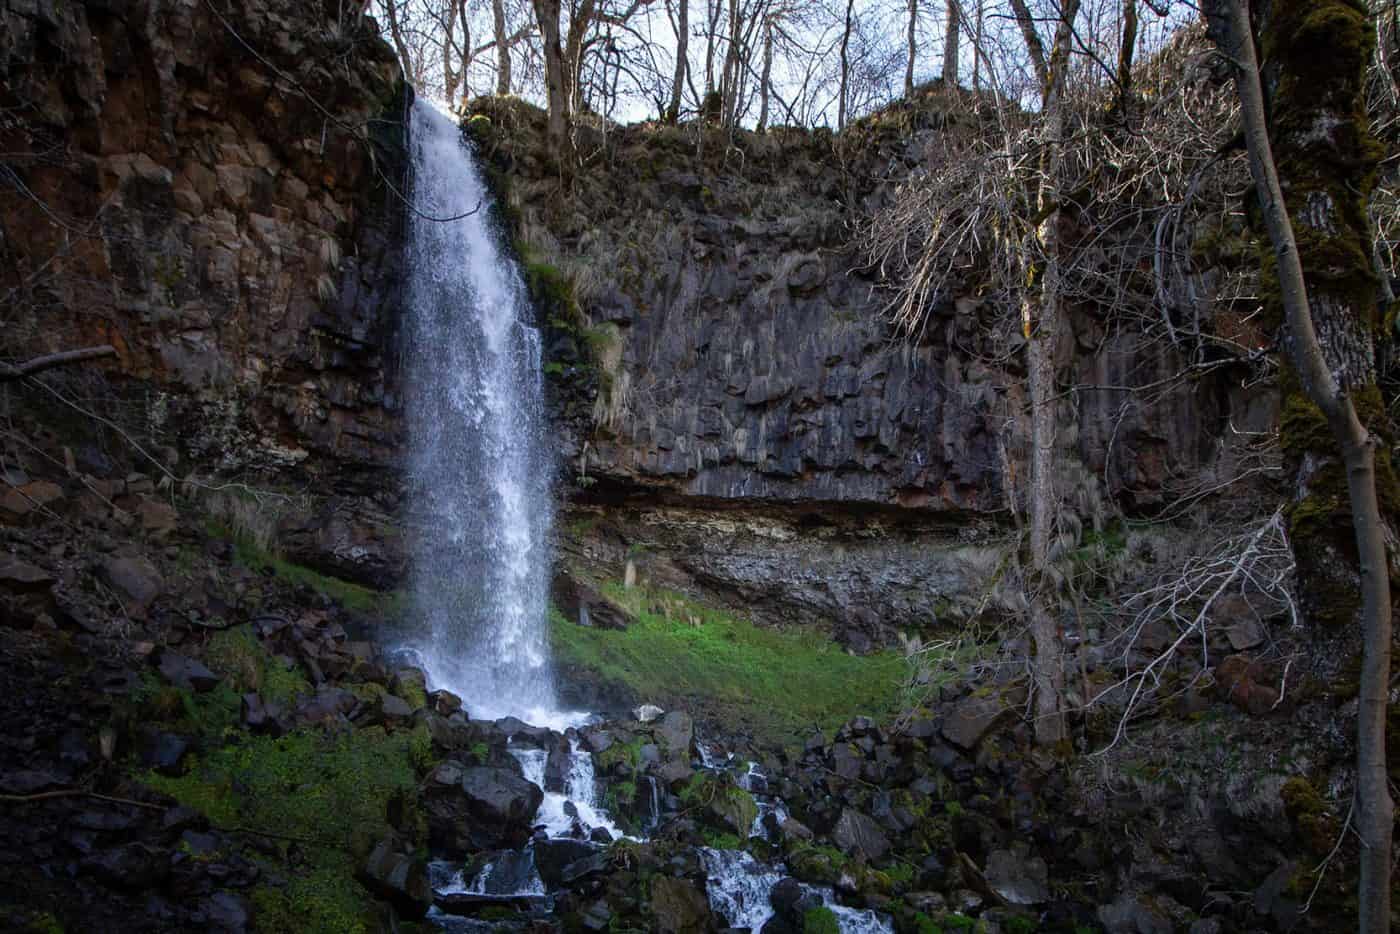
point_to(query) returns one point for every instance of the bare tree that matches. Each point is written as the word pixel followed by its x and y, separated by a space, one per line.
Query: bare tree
pixel 845 81
pixel 680 21
pixel 1328 314
pixel 952 29
pixel 911 48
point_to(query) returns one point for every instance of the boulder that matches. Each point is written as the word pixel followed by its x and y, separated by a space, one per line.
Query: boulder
pixel 260 716
pixel 1018 877
pixel 327 705
pixel 553 856
pixel 582 604
pixel 135 581
pixel 186 673
pixel 157 519
pixel 479 808
pixel 677 734
pixel 19 502
pixel 678 907
pixel 971 719
pixel 164 752
pixel 1130 915
pixel 858 835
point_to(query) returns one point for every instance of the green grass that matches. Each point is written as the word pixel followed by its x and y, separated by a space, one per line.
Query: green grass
pixel 778 683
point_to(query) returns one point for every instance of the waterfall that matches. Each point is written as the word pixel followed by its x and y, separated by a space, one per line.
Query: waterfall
pixel 478 471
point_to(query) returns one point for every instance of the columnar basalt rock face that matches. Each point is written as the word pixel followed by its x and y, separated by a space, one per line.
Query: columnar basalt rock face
pixel 748 374
pixel 209 193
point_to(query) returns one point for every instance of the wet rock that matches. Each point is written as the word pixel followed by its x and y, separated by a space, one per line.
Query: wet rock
pixel 444 703
pixel 677 733
pixel 552 857
pixel 858 835
pixel 479 808
pixel 1017 876
pixel 971 719
pixel 186 673
pixel 678 907
pixel 597 864
pixel 396 876
pixel 596 741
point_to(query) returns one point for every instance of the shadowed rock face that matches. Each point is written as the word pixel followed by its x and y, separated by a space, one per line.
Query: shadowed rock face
pixel 229 229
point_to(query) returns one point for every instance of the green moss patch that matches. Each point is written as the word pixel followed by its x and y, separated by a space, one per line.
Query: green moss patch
pixel 779 684
pixel 248 666
pixel 322 798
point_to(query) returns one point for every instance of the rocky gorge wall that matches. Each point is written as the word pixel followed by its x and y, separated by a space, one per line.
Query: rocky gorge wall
pixel 213 194
pixel 748 413
pixel 736 413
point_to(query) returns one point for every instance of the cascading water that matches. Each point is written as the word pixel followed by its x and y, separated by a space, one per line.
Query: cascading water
pixel 479 476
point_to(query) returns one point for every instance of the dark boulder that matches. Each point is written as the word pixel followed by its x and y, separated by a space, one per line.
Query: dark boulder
pixel 858 835
pixel 399 878
pixel 186 673
pixel 481 808
pixel 552 857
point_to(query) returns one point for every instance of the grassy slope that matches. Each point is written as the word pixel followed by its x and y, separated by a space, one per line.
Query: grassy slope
pixel 776 684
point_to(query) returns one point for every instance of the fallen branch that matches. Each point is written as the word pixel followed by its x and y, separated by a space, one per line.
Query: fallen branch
pixel 80 792
pixel 14 371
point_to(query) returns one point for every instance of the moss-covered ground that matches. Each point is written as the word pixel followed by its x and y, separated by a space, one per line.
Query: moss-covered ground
pixel 777 684
pixel 319 799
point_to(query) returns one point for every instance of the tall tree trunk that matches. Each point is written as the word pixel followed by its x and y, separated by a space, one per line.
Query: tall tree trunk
pixel 713 10
pixel 1042 323
pixel 556 93
pixel 952 31
pixel 579 25
pixel 391 13
pixel 729 77
pixel 977 50
pixel 450 77
pixel 845 68
pixel 1127 46
pixel 765 81
pixel 673 109
pixel 910 48
pixel 1312 139
pixel 498 22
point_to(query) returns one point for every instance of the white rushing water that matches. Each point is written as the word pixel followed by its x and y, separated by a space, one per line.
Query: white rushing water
pixel 739 886
pixel 580 794
pixel 479 475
